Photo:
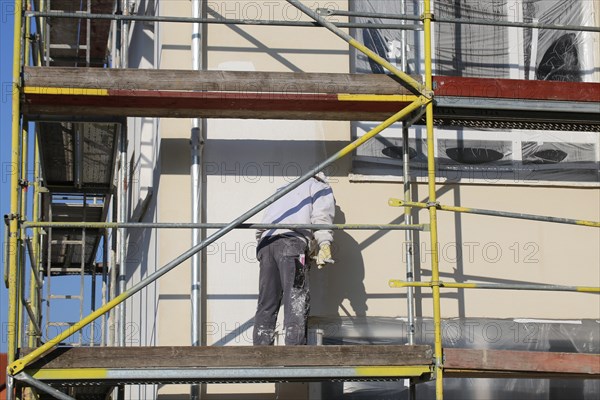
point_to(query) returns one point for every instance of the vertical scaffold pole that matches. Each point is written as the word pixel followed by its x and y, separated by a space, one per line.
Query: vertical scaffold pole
pixel 34 292
pixel 22 239
pixel 122 233
pixel 123 187
pixel 23 329
pixel 23 213
pixel 123 217
pixel 105 283
pixel 408 236
pixel 114 268
pixel 124 60
pixel 196 172
pixel 13 295
pixel 435 273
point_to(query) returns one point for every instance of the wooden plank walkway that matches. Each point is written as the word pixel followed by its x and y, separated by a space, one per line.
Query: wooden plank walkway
pixel 214 94
pixel 509 363
pixel 257 363
pixel 232 364
pixel 234 356
pixel 308 96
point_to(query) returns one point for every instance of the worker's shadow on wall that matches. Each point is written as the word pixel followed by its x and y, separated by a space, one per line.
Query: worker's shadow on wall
pixel 344 280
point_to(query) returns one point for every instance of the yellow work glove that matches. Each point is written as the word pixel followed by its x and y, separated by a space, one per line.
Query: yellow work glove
pixel 324 255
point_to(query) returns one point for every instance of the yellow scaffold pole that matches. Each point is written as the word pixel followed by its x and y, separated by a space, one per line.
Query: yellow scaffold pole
pixel 23 188
pixel 495 213
pixel 13 288
pixel 435 272
pixel 504 286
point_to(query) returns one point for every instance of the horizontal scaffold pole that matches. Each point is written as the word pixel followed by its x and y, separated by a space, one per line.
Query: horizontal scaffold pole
pixel 18 365
pixel 507 286
pixel 158 18
pixel 494 213
pixel 178 225
pixel 470 21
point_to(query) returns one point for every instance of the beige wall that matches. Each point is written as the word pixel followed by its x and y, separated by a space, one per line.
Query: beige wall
pixel 473 248
pixel 268 48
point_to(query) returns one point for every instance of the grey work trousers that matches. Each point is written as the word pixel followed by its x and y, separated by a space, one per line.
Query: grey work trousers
pixel 283 276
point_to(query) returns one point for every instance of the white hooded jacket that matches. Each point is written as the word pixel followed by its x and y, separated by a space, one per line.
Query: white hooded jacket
pixel 310 203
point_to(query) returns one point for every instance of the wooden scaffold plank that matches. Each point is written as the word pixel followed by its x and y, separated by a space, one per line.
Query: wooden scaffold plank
pixel 234 356
pixel 488 363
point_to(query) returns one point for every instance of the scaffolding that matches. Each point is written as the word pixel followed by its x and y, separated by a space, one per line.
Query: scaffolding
pixel 75 229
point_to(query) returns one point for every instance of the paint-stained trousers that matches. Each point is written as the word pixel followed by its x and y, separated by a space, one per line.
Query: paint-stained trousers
pixel 283 277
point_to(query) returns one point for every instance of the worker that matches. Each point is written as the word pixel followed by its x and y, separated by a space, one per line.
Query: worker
pixel 285 257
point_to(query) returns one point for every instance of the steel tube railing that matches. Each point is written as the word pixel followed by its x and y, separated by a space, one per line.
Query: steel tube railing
pixel 185 225
pixel 495 213
pixel 322 12
pixel 509 286
pixel 470 21
pixel 224 21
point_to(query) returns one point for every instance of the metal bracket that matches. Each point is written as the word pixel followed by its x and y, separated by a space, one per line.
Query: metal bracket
pixel 428 94
pixel 324 11
pixel 10 217
pixel 435 204
pixel 25 378
pixel 24 183
pixel 438 365
pixel 395 203
pixel 429 16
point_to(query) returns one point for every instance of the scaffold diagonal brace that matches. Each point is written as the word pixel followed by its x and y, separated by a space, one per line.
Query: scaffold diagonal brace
pixel 410 81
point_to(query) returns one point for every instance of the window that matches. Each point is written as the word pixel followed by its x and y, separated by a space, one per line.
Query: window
pixel 485 155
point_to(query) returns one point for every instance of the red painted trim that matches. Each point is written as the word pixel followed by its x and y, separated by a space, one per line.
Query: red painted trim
pixel 516 89
pixel 216 101
pixel 314 102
